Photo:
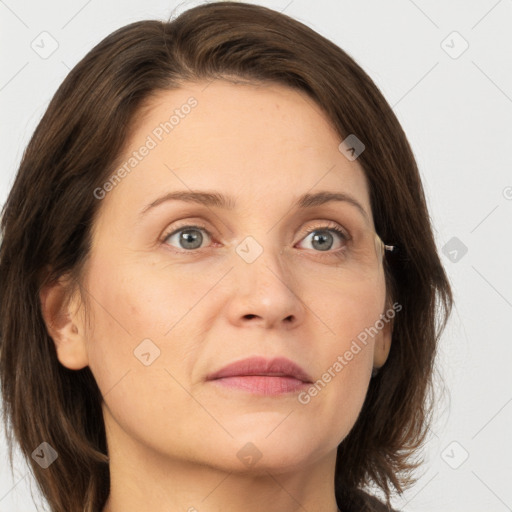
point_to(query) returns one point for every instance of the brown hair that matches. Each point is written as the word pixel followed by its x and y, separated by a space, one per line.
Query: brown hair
pixel 47 219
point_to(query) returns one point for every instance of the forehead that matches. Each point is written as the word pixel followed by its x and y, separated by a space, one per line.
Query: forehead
pixel 262 143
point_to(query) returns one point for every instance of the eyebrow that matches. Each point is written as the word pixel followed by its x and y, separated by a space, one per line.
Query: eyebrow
pixel 215 199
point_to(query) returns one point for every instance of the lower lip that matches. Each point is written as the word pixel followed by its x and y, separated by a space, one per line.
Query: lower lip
pixel 262 385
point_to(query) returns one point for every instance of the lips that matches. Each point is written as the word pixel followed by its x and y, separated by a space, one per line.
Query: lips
pixel 260 366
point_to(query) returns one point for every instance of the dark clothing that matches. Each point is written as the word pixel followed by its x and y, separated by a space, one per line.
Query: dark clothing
pixel 361 501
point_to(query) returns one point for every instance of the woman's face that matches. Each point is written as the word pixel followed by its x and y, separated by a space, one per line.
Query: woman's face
pixel 169 307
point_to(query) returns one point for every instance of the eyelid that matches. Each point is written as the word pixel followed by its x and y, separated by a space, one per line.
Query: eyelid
pixel 327 225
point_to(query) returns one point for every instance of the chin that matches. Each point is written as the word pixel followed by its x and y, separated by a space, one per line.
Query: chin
pixel 258 452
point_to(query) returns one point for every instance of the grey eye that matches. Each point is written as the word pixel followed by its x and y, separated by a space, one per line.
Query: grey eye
pixel 323 238
pixel 189 237
pixel 322 241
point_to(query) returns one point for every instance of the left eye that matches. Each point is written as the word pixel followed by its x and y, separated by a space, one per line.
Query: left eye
pixel 323 237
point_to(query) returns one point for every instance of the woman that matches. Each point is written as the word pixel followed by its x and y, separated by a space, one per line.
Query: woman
pixel 219 279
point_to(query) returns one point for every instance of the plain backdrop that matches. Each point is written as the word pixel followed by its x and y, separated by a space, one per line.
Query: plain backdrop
pixel 445 67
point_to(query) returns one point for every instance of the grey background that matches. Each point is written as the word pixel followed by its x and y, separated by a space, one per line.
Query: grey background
pixel 456 108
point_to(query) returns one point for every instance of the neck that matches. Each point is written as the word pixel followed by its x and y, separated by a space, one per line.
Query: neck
pixel 141 479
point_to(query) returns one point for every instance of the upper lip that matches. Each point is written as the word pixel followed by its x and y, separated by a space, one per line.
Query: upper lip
pixel 277 367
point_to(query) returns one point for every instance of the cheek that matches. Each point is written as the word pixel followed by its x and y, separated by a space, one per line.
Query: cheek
pixel 345 353
pixel 348 312
pixel 338 393
pixel 140 367
pixel 132 302
pixel 135 316
pixel 147 324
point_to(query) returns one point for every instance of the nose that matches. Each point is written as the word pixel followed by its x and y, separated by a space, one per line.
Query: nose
pixel 265 292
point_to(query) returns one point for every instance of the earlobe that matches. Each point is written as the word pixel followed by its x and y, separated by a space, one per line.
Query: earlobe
pixel 64 324
pixel 382 345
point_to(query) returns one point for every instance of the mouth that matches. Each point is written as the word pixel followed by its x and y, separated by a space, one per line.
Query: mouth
pixel 259 375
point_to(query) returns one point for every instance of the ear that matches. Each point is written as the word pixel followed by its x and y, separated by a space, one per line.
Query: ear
pixel 64 324
pixel 382 344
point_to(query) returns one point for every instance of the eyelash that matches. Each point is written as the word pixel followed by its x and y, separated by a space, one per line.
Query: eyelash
pixel 321 227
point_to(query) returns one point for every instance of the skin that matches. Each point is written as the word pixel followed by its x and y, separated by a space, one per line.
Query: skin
pixel 173 437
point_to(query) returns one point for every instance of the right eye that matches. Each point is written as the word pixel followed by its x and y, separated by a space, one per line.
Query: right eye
pixel 188 238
